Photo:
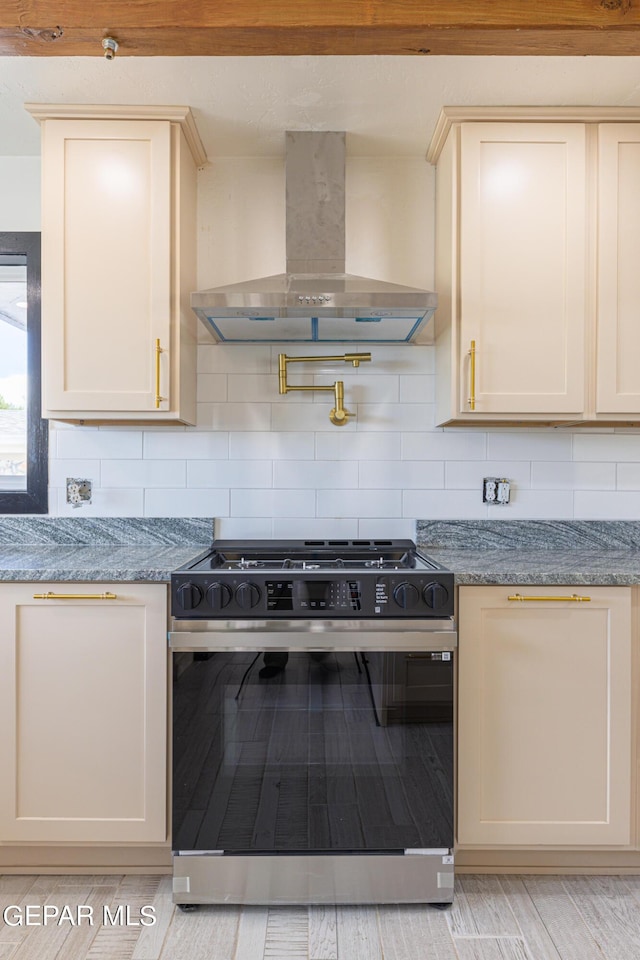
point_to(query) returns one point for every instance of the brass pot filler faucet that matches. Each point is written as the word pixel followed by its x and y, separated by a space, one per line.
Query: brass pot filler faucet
pixel 338 414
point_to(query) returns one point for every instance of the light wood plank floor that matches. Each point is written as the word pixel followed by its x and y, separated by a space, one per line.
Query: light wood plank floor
pixel 492 918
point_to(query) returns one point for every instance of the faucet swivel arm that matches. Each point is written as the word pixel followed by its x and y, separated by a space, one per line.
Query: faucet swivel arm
pixel 338 415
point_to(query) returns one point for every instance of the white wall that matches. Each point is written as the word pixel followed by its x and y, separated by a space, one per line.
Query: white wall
pixel 19 193
pixel 274 466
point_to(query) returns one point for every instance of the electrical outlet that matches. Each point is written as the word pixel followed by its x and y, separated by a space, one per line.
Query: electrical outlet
pixel 78 491
pixel 496 491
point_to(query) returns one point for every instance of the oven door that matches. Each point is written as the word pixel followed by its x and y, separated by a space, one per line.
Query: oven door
pixel 330 739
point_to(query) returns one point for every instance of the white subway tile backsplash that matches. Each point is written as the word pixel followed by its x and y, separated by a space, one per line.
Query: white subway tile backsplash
pixel 362 446
pixel 398 359
pixel 401 474
pixel 234 416
pixel 468 474
pixel 445 445
pixel 359 503
pixel 395 416
pixel 263 388
pixel 59 470
pixel 271 446
pixel 143 473
pixel 373 389
pixel 232 474
pixel 417 389
pixel 627 475
pixel 212 387
pixel 306 416
pixel 273 503
pixel 443 504
pixel 234 358
pixel 270 465
pixel 529 445
pixel 534 505
pixel 562 475
pixel 314 528
pixel 88 443
pixel 186 502
pixel 382 529
pixel 616 505
pixel 315 474
pixel 186 445
pixel 105 502
pixel 244 528
pixel 609 446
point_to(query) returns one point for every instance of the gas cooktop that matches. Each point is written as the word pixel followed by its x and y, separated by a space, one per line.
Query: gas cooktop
pixel 273 579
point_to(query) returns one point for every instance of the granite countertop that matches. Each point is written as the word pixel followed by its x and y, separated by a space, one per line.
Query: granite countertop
pixel 535 552
pixel 118 549
pixel 540 567
pixel 119 563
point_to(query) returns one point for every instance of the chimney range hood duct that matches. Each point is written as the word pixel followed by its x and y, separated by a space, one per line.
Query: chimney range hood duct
pixel 315 300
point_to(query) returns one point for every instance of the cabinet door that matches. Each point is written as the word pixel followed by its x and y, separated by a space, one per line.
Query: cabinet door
pixel 522 267
pixel 83 689
pixel 106 264
pixel 618 372
pixel 544 738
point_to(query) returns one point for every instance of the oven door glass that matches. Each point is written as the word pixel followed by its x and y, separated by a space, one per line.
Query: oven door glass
pixel 303 751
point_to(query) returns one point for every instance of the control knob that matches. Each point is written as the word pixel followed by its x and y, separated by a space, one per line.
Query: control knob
pixel 218 595
pixel 406 596
pixel 189 596
pixel 435 595
pixel 247 596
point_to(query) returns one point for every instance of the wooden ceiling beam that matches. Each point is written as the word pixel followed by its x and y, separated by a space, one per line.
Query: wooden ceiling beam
pixel 321 27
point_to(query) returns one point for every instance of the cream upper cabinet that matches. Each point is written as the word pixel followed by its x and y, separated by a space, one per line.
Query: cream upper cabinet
pixel 544 717
pixel 118 263
pixel 618 317
pixel 83 694
pixel 510 271
pixel 537 228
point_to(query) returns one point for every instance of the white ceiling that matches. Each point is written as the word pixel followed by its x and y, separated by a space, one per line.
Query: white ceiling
pixel 242 105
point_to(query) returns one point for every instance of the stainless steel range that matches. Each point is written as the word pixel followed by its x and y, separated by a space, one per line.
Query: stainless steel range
pixel 313 724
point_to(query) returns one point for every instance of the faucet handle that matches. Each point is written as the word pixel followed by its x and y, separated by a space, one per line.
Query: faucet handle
pixel 339 417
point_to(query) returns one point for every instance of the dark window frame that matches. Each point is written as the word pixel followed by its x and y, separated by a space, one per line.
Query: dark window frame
pixel 35 498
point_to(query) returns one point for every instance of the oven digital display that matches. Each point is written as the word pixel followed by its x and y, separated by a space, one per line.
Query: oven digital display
pixel 279 594
pixel 317 594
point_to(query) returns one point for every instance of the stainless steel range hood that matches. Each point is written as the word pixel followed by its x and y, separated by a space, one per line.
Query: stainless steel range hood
pixel 315 300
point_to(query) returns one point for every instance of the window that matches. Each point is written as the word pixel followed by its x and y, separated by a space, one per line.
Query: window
pixel 23 434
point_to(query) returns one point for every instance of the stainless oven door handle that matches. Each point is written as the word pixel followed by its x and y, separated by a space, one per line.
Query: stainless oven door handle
pixel 341 640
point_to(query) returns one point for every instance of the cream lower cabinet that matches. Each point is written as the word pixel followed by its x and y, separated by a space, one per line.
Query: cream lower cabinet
pixel 118 263
pixel 83 693
pixel 544 717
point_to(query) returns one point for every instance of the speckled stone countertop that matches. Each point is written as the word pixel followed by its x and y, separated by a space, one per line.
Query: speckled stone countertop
pixel 535 552
pixel 98 549
pixel 118 549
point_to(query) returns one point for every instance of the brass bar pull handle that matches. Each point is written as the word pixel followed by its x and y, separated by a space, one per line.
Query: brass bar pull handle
pixel 572 599
pixel 75 596
pixel 472 375
pixel 159 399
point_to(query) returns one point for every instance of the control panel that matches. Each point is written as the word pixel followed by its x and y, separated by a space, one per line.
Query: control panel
pixel 356 595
